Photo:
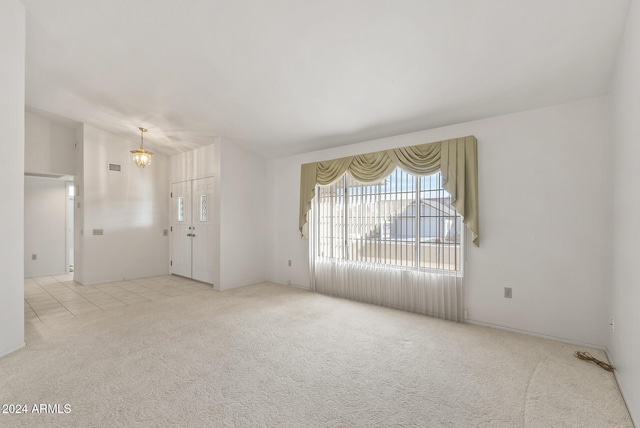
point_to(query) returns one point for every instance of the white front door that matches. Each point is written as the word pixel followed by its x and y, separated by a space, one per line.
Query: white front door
pixel 181 229
pixel 192 229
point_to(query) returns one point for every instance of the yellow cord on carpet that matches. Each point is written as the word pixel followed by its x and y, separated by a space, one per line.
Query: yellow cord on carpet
pixel 588 357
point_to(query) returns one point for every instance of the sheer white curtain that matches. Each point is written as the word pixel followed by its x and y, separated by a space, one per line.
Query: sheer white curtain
pixel 435 294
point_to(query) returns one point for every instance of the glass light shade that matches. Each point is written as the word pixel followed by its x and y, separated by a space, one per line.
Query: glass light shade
pixel 142 157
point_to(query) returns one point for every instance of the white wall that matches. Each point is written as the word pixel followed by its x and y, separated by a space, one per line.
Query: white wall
pixel 49 146
pixel 624 344
pixel 243 254
pixel 12 81
pixel 45 214
pixel 131 206
pixel 545 193
pixel 198 163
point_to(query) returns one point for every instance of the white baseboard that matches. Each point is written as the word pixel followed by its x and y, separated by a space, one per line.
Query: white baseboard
pixel 9 351
pixel 615 376
pixel 239 286
pixel 300 287
pixel 542 336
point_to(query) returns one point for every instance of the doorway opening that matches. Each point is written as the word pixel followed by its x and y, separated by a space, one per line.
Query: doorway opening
pixel 48 225
pixel 70 206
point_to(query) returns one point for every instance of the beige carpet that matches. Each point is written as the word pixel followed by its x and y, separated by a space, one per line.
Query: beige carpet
pixel 269 355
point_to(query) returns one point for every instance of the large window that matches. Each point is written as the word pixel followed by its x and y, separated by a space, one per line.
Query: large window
pixel 403 220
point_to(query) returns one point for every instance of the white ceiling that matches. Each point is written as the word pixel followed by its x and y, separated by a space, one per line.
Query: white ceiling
pixel 290 76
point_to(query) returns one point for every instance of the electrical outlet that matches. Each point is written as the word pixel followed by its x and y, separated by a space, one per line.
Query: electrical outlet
pixel 165 232
pixel 612 324
pixel 507 292
pixel 34 257
pixel 98 231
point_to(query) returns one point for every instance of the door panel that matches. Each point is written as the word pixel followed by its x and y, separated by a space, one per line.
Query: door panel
pixel 203 230
pixel 181 227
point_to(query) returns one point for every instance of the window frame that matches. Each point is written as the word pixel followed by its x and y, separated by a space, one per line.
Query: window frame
pixel 343 251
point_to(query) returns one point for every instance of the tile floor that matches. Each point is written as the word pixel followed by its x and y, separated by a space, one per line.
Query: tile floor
pixel 52 298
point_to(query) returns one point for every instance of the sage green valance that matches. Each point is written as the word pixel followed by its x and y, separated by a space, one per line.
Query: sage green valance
pixel 456 159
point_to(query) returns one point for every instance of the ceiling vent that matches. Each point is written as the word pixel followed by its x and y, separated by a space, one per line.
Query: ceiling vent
pixel 115 167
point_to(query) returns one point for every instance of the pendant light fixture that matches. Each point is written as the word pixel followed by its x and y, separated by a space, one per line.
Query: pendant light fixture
pixel 141 156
